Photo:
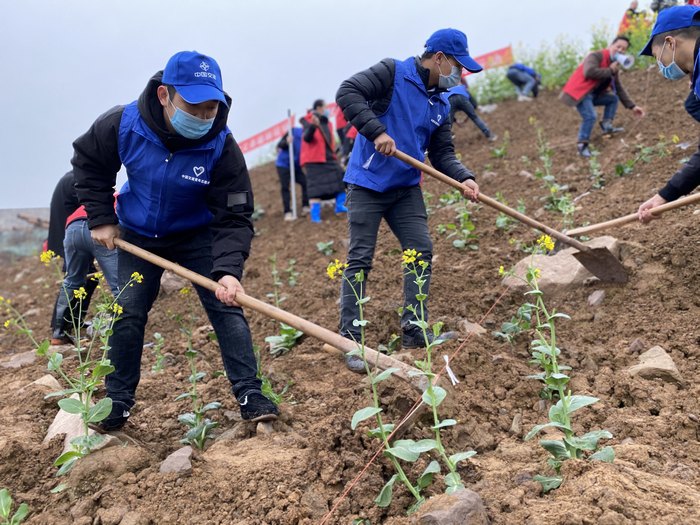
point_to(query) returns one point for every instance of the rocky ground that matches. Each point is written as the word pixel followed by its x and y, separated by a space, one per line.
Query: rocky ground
pixel 296 474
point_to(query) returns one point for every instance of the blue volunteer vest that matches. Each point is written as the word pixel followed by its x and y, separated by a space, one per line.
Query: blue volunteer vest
pixel 283 154
pixel 411 118
pixel 164 193
pixel 458 90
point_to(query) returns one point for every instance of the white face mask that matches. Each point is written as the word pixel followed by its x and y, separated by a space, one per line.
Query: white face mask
pixel 454 78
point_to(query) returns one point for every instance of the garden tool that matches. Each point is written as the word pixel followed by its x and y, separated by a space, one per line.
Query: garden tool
pixel 599 261
pixel 383 362
pixel 685 201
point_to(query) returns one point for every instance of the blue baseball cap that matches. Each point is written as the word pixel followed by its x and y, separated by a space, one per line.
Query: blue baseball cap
pixel 453 42
pixel 670 19
pixel 196 77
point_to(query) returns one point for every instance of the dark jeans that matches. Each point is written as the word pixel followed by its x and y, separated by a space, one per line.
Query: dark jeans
pixel 692 105
pixel 404 211
pixel 192 250
pixel 461 103
pixel 524 82
pixel 285 176
pixel 587 110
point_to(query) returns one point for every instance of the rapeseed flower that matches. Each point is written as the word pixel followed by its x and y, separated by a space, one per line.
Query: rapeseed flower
pixel 409 256
pixel 80 293
pixel 185 292
pixel 136 276
pixel 501 271
pixel 536 273
pixel 117 309
pixel 47 256
pixel 335 268
pixel 546 242
pixel 8 322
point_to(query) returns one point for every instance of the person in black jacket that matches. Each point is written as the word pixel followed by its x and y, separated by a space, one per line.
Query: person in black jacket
pixel 399 105
pixel 188 198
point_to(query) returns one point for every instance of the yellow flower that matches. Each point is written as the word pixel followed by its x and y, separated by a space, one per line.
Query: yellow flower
pixel 7 301
pixel 47 256
pixel 185 292
pixel 97 277
pixel 335 268
pixel 423 263
pixel 80 293
pixel 537 273
pixel 136 276
pixel 7 323
pixel 553 189
pixel 501 271
pixel 117 309
pixel 546 242
pixel 512 241
pixel 532 120
pixel 2 299
pixel 676 140
pixel 662 137
pixel 409 256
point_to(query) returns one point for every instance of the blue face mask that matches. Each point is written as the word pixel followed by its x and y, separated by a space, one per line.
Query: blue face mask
pixel 188 125
pixel 452 80
pixel 672 71
pixel 327 113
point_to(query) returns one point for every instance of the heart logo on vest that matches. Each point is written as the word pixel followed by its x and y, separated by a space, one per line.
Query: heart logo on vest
pixel 198 170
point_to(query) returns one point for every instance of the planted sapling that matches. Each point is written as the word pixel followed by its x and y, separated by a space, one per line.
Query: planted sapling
pixel 6 509
pixel 266 388
pixel 158 367
pixel 283 343
pixel 292 274
pixel 326 248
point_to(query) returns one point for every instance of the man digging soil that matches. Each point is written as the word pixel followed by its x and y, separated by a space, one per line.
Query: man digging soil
pixel 188 198
pixel 399 105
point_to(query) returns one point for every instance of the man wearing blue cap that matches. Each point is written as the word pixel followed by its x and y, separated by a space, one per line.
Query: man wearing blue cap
pixel 399 104
pixel 188 198
pixel 674 43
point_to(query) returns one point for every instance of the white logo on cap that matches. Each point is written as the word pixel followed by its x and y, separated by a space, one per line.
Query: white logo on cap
pixel 204 66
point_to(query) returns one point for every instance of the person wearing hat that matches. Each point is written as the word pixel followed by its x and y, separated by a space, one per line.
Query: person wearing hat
pixel 588 87
pixel 188 198
pixel 674 43
pixel 399 104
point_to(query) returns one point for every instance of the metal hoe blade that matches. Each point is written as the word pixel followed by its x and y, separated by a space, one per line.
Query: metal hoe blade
pixel 603 264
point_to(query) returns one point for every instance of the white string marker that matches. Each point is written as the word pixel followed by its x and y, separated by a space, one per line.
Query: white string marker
pixel 453 378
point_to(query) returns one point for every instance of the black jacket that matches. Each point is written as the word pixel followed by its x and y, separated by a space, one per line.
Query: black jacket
pixel 367 94
pixel 63 203
pixel 96 163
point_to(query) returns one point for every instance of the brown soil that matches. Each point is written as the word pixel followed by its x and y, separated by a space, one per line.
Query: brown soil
pixel 298 473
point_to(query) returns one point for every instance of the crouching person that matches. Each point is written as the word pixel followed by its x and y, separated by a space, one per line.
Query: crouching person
pixel 188 198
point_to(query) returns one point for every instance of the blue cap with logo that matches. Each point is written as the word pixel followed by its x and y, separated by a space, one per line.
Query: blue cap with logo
pixel 670 19
pixel 453 42
pixel 196 77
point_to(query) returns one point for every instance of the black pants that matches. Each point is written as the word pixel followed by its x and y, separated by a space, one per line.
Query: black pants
pixel 404 211
pixel 461 103
pixel 692 105
pixel 285 176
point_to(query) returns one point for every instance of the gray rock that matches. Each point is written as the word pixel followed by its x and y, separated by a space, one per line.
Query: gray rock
pixel 135 518
pixel 523 477
pixel 178 462
pixel 18 360
pixel 596 298
pixel 655 363
pixel 637 345
pixel 111 516
pixel 466 327
pixel 45 381
pixel 264 428
pixel 233 416
pixel 33 312
pixel 497 359
pixel 463 507
pixel 627 441
pixel 85 520
pixel 527 175
pixel 315 504
pixel 170 282
pixel 517 426
pixel 169 360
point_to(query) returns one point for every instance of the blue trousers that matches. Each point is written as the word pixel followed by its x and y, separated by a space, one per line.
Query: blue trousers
pixel 587 110
pixel 523 82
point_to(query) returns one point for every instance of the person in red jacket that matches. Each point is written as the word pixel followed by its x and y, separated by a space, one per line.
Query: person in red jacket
pixel 324 176
pixel 588 87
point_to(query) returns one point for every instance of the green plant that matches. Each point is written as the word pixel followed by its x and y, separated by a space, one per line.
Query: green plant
pixel 594 169
pixel 292 277
pixel 158 367
pixel 276 283
pixel 394 343
pixel 6 508
pixel 500 152
pixel 267 389
pixel 258 212
pixel 504 221
pixel 361 521
pixel 326 248
pixel 644 154
pixel 639 32
pixel 517 324
pixel 463 230
pixel 427 197
pixel 288 336
pixel 545 353
pixel 601 35
pixel 200 427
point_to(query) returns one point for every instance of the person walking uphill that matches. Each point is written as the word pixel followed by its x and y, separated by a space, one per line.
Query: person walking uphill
pixel 675 40
pixel 324 176
pixel 399 104
pixel 187 198
pixel 588 87
pixel 285 173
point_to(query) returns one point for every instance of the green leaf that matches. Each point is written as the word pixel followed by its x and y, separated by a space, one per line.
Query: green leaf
pixel 72 406
pixel 437 397
pixel 357 351
pixel 66 456
pixel 100 411
pixel 58 489
pixel 87 441
pixel 384 498
pixel 533 292
pixel 453 489
pixel 357 322
pixel 536 429
pixel 606 454
pixel 421 297
pixel 556 413
pixel 363 414
pixel 43 347
pixel 66 467
pixel 558 315
pixel 444 423
pixel 555 448
pixel 385 374
pixel 188 419
pixel 364 300
pixel 413 508
pixel 210 406
pixel 548 483
pixel 102 370
pixel 427 477
pixel 375 433
pixel 555 464
pixel 577 402
pixel 421 324
pixel 424 445
pixel 55 361
pixel 63 392
pixel 183 396
pixel 199 376
pixel 21 513
pixel 5 503
pixel 454 458
pixel 452 479
pixel 402 450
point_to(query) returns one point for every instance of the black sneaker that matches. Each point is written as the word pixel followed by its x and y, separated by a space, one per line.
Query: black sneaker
pixel 355 364
pixel 417 340
pixel 256 407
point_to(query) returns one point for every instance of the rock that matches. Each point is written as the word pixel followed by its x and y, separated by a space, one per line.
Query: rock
pixel 570 168
pixel 264 428
pixel 178 462
pixel 170 282
pixel 463 507
pixel 345 243
pixel 45 381
pixel 135 518
pixel 169 360
pixel 541 405
pixel 18 360
pixel 500 393
pixel 85 520
pixel 539 212
pixel 21 275
pixel 590 364
pixel 560 273
pixel 498 358
pixel 102 467
pixel 637 345
pixel 489 175
pixel 233 416
pixel 523 477
pixel 627 441
pixel 466 327
pixel 33 312
pixel 111 516
pixel 239 431
pixel 693 417
pixel 84 507
pixel 527 175
pixel 487 108
pixel 610 517
pixel 655 363
pixel 516 426
pixel 596 298
pixel 316 505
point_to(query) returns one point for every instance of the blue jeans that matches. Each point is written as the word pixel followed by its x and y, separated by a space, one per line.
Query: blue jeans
pixel 461 103
pixel 524 83
pixel 191 249
pixel 404 211
pixel 80 251
pixel 587 110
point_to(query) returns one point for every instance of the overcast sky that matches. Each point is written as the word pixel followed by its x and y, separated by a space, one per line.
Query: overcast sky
pixel 67 62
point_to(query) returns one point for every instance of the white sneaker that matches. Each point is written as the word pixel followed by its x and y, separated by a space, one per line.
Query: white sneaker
pixel 493 138
pixel 304 211
pixel 524 98
pixel 288 216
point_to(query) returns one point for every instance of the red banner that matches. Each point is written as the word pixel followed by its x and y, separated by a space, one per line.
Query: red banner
pixel 498 58
pixel 265 137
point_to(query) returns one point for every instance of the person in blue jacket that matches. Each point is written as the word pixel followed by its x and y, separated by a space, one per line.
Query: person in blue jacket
pixel 285 174
pixel 188 198
pixel 399 105
pixel 461 100
pixel 526 81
